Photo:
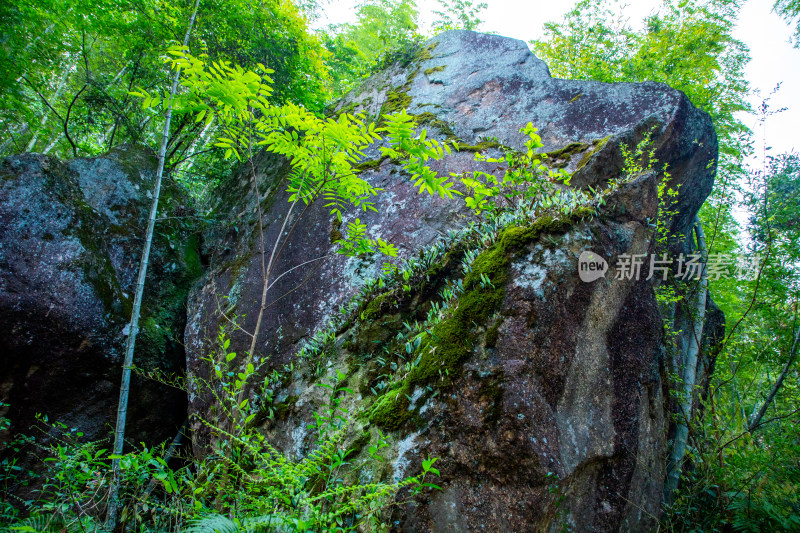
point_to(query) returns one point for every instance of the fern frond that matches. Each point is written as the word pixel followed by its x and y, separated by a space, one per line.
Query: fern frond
pixel 213 523
pixel 262 523
pixel 39 523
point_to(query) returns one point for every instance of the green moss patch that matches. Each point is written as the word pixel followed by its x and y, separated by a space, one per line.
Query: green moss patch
pixel 349 108
pixel 429 119
pixel 429 71
pixel 561 158
pixel 398 98
pixel 454 337
pixel 597 145
pixel 396 101
pixel 373 308
pixel 479 147
pixel 425 53
pixel 490 339
pixel 371 164
pixel 391 410
pixel 336 230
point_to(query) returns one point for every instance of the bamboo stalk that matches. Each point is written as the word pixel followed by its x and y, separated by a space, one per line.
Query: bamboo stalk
pixel 124 391
pixel 689 375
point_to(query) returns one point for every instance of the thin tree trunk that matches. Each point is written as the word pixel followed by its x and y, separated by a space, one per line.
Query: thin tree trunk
pixel 266 270
pixel 122 409
pixel 689 376
pixel 22 130
pixel 777 385
pixel 46 114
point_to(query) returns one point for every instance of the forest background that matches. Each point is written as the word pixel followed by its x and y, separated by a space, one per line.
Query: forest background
pixel 70 73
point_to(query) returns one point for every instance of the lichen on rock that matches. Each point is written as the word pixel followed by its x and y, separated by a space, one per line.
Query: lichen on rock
pixel 527 372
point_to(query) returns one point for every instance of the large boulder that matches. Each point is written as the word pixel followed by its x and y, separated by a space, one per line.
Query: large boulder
pixel 546 397
pixel 71 235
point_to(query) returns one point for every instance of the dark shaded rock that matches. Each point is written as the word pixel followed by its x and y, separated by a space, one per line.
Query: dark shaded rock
pixel 543 387
pixel 71 235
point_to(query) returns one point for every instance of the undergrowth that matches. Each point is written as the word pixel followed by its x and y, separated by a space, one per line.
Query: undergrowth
pixel 241 482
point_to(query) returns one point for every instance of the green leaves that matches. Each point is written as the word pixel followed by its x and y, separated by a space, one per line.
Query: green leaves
pixel 415 151
pixel 355 242
pixel 521 180
pixel 427 466
pixel 384 29
pixel 458 15
pixel 109 47
pixel 322 152
pixel 790 10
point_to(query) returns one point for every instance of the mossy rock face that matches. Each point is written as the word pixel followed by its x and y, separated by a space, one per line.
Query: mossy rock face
pixel 484 292
pixel 438 363
pixel 433 70
pixel 478 147
pixel 429 119
pixel 396 100
pixel 504 387
pixel 372 164
pixel 390 411
pixel 562 157
pixel 71 235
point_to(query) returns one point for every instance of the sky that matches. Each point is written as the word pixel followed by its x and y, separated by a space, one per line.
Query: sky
pixel 773 59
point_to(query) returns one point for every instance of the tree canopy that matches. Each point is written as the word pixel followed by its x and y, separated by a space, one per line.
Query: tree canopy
pixel 68 67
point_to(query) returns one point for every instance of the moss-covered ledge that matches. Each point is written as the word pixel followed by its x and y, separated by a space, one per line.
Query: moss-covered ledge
pixel 456 337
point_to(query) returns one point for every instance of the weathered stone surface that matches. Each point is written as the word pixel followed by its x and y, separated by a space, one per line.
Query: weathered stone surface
pixel 71 235
pixel 550 387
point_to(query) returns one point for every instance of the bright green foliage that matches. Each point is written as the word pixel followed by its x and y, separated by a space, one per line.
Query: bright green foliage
pixel 790 11
pixel 774 226
pixel 323 152
pixel 245 484
pixel 66 67
pixel 358 244
pixel 269 489
pixel 383 29
pixel 458 15
pixel 744 474
pixel 527 181
pixel 415 150
pixel 269 32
